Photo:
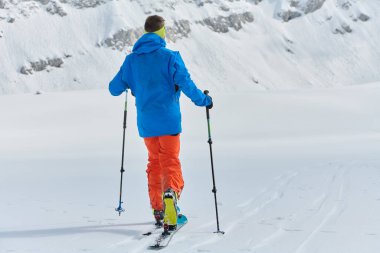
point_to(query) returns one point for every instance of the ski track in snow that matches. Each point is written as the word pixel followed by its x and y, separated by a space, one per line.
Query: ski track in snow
pixel 255 205
pixel 320 195
pixel 333 211
pixel 312 220
pixel 280 231
pixel 326 210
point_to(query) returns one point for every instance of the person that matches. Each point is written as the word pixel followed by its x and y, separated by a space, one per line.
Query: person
pixel 156 77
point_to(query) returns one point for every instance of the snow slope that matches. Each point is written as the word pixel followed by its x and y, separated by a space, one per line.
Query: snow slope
pixel 51 45
pixel 296 171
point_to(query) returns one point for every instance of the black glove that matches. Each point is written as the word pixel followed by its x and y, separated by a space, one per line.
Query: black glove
pixel 212 104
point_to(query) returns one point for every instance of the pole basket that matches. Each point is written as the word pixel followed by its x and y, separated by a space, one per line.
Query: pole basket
pixel 119 209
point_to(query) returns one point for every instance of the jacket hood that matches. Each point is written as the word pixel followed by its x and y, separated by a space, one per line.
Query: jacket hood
pixel 148 43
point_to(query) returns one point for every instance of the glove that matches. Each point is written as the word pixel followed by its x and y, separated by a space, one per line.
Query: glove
pixel 206 92
pixel 210 105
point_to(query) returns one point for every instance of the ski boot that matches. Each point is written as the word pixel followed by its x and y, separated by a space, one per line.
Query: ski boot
pixel 159 217
pixel 171 211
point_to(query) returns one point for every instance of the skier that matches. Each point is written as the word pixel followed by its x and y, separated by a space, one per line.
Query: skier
pixel 156 77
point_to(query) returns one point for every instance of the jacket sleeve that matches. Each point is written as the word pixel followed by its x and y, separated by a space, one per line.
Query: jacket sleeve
pixel 118 85
pixel 183 80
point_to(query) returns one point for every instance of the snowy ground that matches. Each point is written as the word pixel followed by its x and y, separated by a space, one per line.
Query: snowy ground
pixel 297 171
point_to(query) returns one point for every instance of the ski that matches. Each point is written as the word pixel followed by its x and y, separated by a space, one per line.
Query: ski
pixel 163 240
pixel 153 230
pixel 158 216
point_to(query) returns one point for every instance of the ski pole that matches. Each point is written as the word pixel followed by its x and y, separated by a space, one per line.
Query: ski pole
pixel 119 208
pixel 212 166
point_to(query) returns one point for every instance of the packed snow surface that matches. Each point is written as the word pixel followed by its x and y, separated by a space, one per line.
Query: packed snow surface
pixel 296 172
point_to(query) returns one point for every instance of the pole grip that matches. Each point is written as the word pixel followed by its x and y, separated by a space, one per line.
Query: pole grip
pixel 206 92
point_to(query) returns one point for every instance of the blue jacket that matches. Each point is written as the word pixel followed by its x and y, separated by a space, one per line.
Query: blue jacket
pixel 156 76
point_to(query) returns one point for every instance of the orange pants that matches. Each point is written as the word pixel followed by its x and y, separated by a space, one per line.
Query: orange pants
pixel 164 168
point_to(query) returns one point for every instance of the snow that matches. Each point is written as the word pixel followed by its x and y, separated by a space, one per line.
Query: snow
pixel 327 47
pixel 296 127
pixel 296 171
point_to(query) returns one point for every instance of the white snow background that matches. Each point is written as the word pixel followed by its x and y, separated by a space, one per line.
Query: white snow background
pixel 296 172
pixel 296 135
